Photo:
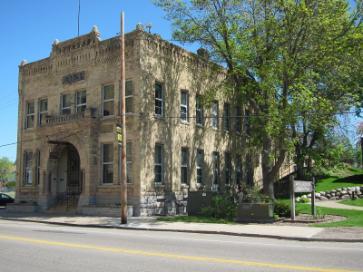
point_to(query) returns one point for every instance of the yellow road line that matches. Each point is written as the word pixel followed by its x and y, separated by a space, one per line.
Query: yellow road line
pixel 169 256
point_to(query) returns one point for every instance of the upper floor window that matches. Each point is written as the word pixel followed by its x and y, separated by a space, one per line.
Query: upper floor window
pixel 129 96
pixel 214 114
pixel 30 114
pixel 226 117
pixel 108 100
pixel 200 165
pixel 27 168
pixel 81 101
pixel 238 123
pixel 184 105
pixel 215 163
pixel 43 111
pixel 227 167
pixel 159 163
pixel 159 96
pixel 184 165
pixel 66 103
pixel 107 163
pixel 199 114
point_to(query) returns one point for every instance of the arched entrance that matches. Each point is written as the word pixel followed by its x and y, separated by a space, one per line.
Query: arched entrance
pixel 66 175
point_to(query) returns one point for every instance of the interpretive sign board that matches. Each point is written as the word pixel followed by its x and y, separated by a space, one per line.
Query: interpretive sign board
pixel 302 186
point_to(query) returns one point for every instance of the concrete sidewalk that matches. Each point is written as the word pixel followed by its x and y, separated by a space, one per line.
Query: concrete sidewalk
pixel 289 232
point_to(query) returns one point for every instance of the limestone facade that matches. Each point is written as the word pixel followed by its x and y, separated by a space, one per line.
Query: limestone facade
pixel 69 110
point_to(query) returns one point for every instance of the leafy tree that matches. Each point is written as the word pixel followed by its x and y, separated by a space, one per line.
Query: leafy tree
pixel 6 168
pixel 292 64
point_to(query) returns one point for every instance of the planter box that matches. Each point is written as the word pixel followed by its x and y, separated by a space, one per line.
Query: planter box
pixel 254 212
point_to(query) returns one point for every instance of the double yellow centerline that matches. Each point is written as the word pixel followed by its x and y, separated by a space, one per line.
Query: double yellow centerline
pixel 168 255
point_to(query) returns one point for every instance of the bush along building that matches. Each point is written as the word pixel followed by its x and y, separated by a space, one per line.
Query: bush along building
pixel 179 139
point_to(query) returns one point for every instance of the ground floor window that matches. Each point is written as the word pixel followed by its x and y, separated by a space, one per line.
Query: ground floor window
pixel 159 163
pixel 200 164
pixel 184 165
pixel 28 164
pixel 107 163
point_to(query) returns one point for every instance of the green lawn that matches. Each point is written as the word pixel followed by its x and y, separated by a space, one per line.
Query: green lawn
pixel 354 218
pixel 357 202
pixel 349 178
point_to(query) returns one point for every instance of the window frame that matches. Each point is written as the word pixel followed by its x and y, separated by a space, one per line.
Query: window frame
pixel 239 170
pixel 227 117
pixel 199 112
pixel 82 106
pixel 215 115
pixel 216 167
pixel 29 115
pixel 129 178
pixel 62 108
pixel 42 114
pixel 158 164
pixel 184 165
pixel 185 107
pixel 28 168
pixel 103 163
pixel 108 100
pixel 200 166
pixel 227 167
pixel 129 97
pixel 158 99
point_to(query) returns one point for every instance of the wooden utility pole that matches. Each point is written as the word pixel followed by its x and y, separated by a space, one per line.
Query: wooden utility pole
pixel 123 181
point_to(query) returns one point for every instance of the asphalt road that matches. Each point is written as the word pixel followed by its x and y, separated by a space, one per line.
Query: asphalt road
pixel 35 247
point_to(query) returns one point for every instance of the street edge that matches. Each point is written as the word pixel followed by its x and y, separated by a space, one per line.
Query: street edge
pixel 311 239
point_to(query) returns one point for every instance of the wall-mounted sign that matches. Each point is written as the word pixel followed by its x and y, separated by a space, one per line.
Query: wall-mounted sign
pixel 72 78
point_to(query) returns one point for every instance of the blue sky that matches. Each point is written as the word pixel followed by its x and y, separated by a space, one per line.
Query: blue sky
pixel 28 28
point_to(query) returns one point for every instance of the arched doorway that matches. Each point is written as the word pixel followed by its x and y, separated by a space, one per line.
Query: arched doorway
pixel 67 175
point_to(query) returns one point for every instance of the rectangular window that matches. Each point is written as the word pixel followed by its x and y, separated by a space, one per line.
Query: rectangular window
pixel 239 118
pixel 184 165
pixel 226 117
pixel 66 104
pixel 43 111
pixel 30 115
pixel 129 162
pixel 28 165
pixel 214 114
pixel 200 164
pixel 159 163
pixel 107 163
pixel 129 92
pixel 107 100
pixel 184 106
pixel 227 167
pixel 81 101
pixel 199 114
pixel 247 123
pixel 37 168
pixel 215 162
pixel 159 103
pixel 238 170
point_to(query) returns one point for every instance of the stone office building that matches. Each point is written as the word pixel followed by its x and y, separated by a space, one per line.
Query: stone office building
pixel 69 111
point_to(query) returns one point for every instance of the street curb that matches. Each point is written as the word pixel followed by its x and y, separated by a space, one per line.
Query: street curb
pixel 312 239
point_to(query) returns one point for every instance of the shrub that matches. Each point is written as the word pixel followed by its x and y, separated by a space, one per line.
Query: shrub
pixel 254 195
pixel 282 209
pixel 222 206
